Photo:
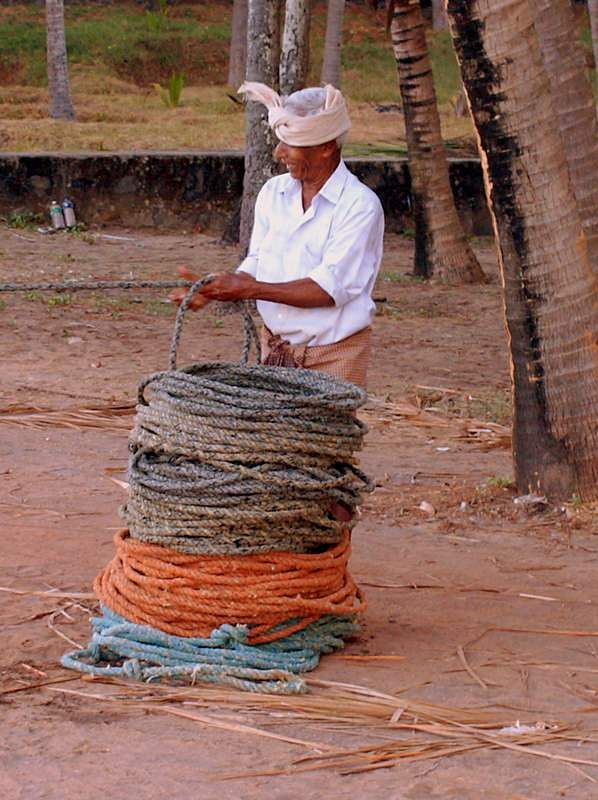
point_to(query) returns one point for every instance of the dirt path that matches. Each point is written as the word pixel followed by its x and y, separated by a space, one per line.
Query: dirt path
pixel 436 579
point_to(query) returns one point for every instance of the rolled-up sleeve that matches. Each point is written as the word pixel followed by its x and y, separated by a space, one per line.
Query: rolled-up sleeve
pixel 352 254
pixel 260 228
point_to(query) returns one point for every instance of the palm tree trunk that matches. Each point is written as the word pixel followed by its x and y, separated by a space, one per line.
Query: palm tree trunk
pixel 441 247
pixel 439 16
pixel 259 164
pixel 238 44
pixel 593 12
pixel 332 66
pixel 550 292
pixel 61 105
pixel 575 106
pixel 294 57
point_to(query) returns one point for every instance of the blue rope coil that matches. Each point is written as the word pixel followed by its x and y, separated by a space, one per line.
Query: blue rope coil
pixel 124 649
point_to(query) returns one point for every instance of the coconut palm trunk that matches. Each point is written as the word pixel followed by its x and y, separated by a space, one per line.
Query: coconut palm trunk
pixel 593 12
pixel 262 65
pixel 575 107
pixel 238 44
pixel 332 65
pixel 550 291
pixel 294 56
pixel 441 247
pixel 61 104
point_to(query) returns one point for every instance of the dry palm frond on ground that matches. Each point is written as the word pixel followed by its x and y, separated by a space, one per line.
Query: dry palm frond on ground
pixel 409 729
pixel 112 417
pixel 116 417
pixel 487 434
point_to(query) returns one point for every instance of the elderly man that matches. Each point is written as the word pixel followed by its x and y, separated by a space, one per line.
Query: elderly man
pixel 316 244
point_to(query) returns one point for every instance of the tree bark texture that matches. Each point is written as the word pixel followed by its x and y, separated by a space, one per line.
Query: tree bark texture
pixel 333 42
pixel 573 100
pixel 442 250
pixel 259 143
pixel 550 291
pixel 277 43
pixel 593 12
pixel 439 16
pixel 294 56
pixel 61 105
pixel 238 44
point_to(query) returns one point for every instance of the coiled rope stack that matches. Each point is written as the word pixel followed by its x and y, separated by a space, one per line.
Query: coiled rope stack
pixel 233 566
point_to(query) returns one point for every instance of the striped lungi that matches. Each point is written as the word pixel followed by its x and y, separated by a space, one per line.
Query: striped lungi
pixel 347 359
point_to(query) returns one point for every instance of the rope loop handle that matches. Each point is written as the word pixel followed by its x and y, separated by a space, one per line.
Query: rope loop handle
pixel 251 335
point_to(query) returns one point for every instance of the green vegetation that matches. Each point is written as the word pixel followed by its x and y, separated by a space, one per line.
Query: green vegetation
pixel 114 306
pixel 122 40
pixel 33 297
pixel 156 20
pixel 146 47
pixel 24 220
pixel 60 299
pixel 79 231
pixel 501 482
pixel 118 50
pixel 171 96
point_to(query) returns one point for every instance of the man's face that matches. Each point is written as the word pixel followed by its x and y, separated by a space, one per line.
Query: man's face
pixel 304 163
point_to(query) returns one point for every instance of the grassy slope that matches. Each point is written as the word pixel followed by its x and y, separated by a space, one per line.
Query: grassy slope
pixel 116 56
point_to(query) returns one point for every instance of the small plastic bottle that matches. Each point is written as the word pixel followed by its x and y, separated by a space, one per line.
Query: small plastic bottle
pixel 68 209
pixel 56 215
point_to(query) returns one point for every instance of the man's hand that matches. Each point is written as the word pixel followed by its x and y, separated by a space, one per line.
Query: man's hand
pixel 231 286
pixel 178 295
pixel 224 286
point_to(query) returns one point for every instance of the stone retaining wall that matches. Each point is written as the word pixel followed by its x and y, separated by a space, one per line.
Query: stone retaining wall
pixel 193 190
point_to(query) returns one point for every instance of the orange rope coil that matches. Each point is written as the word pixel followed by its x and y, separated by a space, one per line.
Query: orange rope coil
pixel 191 595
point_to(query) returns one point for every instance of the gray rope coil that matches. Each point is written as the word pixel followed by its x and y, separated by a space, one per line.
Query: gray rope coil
pixel 242 459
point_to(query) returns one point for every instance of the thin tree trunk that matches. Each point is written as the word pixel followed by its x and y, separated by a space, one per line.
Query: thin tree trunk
pixel 294 57
pixel 550 292
pixel 61 105
pixel 441 247
pixel 593 12
pixel 332 65
pixel 574 103
pixel 259 163
pixel 277 43
pixel 439 16
pixel 238 44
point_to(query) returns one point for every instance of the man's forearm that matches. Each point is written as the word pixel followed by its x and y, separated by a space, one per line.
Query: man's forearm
pixel 302 293
pixel 231 286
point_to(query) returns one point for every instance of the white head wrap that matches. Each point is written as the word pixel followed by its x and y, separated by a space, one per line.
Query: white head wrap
pixel 330 123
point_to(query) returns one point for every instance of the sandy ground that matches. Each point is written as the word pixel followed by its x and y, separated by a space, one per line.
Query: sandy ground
pixel 453 576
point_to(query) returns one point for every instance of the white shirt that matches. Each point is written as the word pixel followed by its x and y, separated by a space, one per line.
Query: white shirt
pixel 337 243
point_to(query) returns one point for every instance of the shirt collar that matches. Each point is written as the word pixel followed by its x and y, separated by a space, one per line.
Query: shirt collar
pixel 332 189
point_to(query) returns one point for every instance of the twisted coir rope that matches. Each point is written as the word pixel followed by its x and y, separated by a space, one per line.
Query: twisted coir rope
pixel 275 594
pixel 243 459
